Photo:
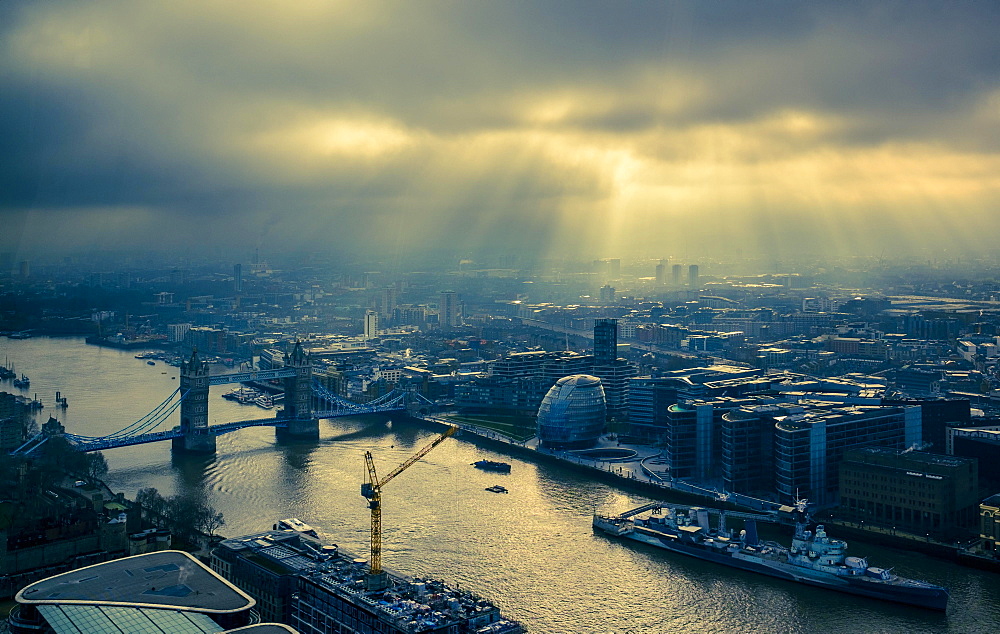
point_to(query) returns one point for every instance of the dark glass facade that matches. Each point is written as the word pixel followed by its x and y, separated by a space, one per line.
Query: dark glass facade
pixel 572 413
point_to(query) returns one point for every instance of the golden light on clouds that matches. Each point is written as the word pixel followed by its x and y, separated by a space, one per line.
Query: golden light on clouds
pixel 505 124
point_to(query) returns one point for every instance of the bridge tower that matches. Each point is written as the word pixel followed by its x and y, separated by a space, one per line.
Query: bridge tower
pixel 194 408
pixel 298 395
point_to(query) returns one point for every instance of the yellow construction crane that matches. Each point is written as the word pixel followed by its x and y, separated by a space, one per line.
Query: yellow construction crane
pixel 372 491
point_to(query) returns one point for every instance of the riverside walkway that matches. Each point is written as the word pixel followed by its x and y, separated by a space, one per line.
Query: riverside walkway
pixel 638 464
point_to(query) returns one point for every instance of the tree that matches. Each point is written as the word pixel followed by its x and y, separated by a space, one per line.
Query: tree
pixel 211 521
pixel 97 466
pixel 152 505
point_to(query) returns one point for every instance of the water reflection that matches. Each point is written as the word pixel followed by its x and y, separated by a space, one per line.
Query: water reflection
pixel 532 550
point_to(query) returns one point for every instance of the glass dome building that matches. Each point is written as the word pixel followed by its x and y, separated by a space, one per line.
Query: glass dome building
pixel 572 413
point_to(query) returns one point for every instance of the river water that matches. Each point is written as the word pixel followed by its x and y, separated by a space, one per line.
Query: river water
pixel 531 551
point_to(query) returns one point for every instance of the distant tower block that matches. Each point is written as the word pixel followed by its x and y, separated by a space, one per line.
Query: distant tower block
pixel 237 278
pixel 194 408
pixel 371 324
pixel 675 274
pixel 605 341
pixel 661 273
pixel 298 395
pixel 448 310
pixel 390 299
pixel 615 268
pixel 693 276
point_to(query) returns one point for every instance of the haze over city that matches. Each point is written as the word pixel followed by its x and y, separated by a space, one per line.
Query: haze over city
pixel 593 129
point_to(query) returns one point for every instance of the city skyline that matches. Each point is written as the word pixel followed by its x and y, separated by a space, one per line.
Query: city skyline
pixel 552 129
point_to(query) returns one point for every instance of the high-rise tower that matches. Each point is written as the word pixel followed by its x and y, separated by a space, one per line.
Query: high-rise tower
pixel 448 309
pixel 675 274
pixel 605 341
pixel 371 324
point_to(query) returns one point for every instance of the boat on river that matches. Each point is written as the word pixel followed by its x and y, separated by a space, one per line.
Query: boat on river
pixel 814 558
pixel 492 465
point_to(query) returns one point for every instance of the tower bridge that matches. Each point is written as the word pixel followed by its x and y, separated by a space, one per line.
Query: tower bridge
pixel 306 402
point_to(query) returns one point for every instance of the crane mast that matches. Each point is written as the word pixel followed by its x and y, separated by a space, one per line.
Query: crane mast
pixel 371 490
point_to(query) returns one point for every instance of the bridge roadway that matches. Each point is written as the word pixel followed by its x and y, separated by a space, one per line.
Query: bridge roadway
pixel 100 444
pixel 141 439
pixel 225 428
pixel 254 375
pixel 391 402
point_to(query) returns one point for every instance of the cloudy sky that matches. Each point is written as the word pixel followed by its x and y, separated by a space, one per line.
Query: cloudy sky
pixel 595 128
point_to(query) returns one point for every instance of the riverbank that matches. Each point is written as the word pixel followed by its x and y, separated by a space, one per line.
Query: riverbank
pixel 638 473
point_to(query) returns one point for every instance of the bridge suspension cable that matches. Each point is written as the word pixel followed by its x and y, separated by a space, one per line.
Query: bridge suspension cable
pixel 148 422
pixel 386 400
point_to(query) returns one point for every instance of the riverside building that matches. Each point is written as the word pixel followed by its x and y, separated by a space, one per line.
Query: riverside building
pixel 909 490
pixel 572 414
pixel 167 592
pixel 320 589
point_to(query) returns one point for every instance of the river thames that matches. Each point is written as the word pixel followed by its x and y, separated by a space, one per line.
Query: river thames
pixel 532 551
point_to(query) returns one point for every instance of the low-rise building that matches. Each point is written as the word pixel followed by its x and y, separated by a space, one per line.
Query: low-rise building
pixel 913 491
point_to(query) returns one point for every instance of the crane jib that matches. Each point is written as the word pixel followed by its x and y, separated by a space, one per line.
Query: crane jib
pixel 372 491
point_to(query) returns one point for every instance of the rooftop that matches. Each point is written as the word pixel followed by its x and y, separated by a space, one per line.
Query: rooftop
pixel 411 604
pixel 168 578
pixel 914 457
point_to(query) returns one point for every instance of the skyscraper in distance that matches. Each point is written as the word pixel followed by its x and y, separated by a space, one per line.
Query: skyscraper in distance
pixel 371 324
pixel 693 276
pixel 448 309
pixel 605 341
pixel 675 274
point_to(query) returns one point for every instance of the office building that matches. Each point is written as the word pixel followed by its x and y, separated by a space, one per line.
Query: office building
pixel 605 341
pixel 675 274
pixel 371 324
pixel 937 415
pixel 747 444
pixel 649 397
pixel 321 589
pixel 237 278
pixel 572 414
pixel 909 490
pixel 613 372
pixel 448 310
pixel 167 592
pixel 390 300
pixel 661 273
pixel 982 444
pixel 809 444
pixel 177 332
pixel 692 435
pixel 693 276
pixel 518 383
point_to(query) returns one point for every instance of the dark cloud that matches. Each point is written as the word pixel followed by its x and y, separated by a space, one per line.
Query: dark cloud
pixel 541 124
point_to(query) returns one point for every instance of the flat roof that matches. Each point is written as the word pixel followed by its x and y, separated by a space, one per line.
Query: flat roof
pixel 96 619
pixel 164 579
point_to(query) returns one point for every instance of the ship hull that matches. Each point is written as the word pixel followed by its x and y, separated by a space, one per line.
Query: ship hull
pixel 930 597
